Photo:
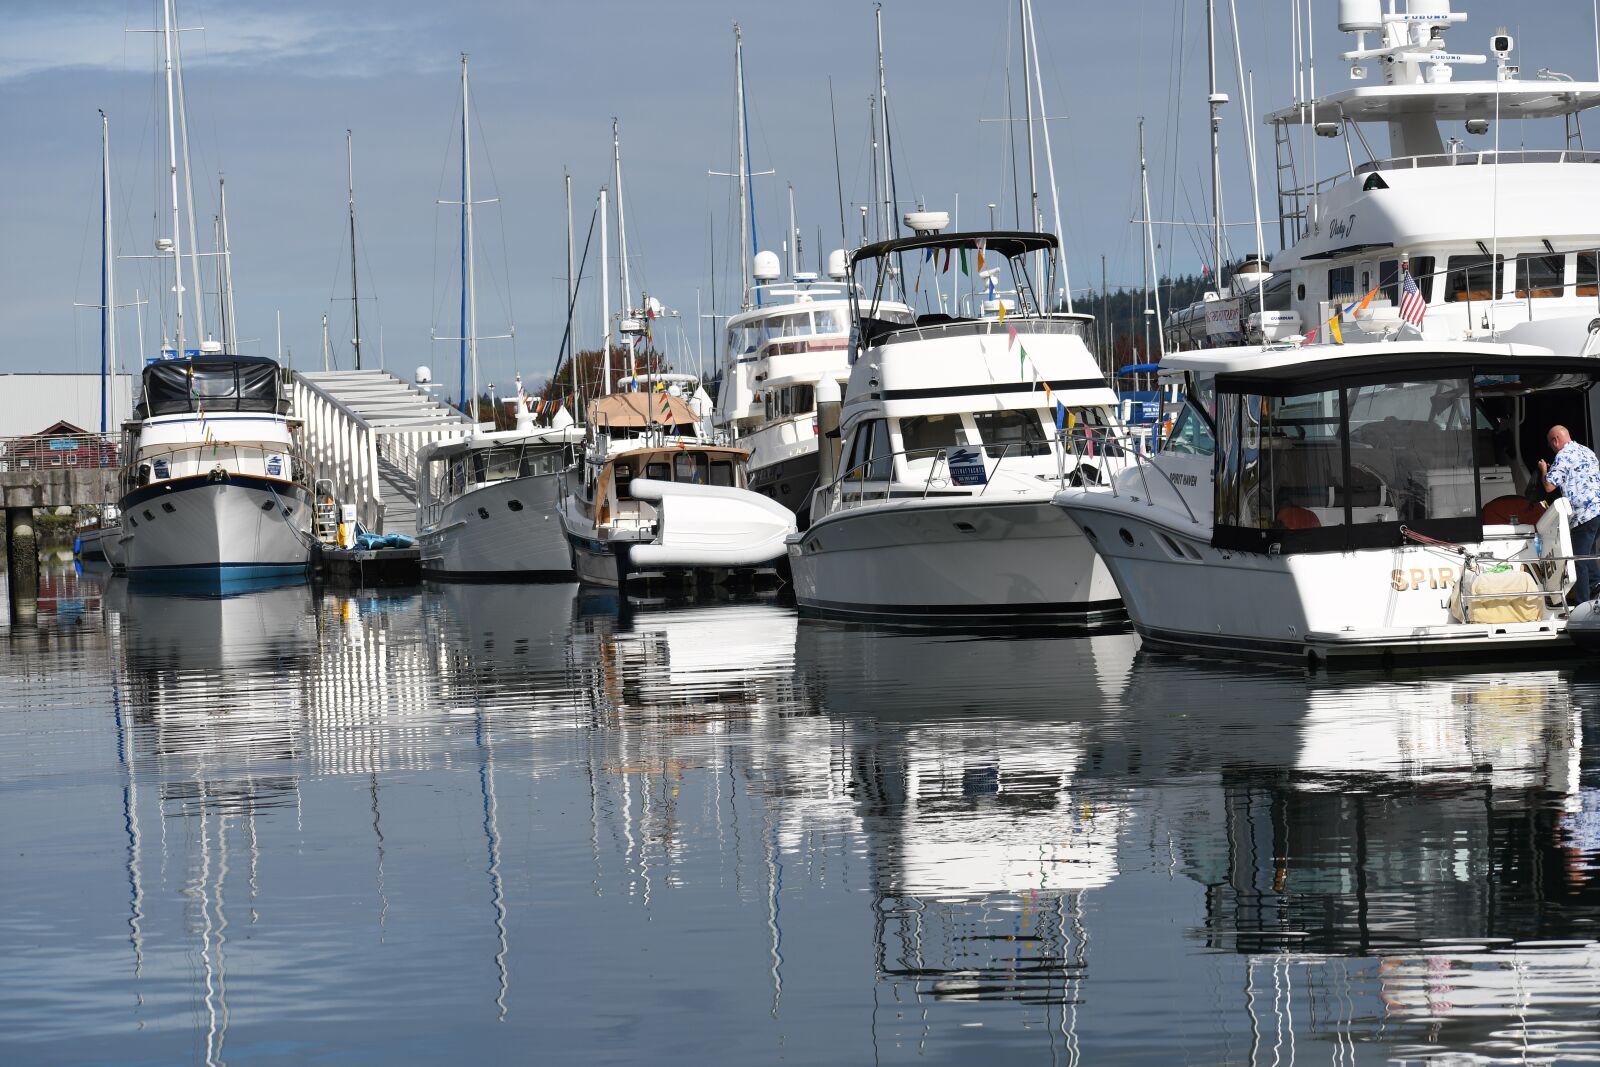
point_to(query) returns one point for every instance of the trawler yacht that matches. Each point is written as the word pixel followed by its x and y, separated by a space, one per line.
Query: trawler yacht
pixel 1358 501
pixel 214 488
pixel 1497 225
pixel 956 434
pixel 654 500
pixel 778 350
pixel 489 503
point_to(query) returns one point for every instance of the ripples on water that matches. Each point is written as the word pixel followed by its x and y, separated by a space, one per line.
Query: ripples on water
pixel 478 823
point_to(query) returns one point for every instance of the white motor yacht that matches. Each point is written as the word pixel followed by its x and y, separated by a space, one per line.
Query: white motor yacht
pixel 1496 222
pixel 955 437
pixel 654 500
pixel 214 488
pixel 489 503
pixel 778 349
pixel 1358 501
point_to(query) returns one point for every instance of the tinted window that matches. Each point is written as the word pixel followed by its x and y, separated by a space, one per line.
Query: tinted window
pixel 924 435
pixel 1190 436
pixel 1422 268
pixel 722 473
pixel 1471 278
pixel 1540 276
pixel 1012 433
pixel 881 465
pixel 1341 283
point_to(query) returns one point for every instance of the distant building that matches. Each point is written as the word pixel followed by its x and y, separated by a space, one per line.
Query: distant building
pixel 30 401
pixel 60 444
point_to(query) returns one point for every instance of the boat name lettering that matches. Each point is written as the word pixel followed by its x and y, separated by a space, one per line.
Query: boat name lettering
pixel 1339 229
pixel 1422 578
pixel 1184 479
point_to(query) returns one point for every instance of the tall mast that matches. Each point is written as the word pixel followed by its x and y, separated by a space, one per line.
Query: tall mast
pixel 172 177
pixel 889 228
pixel 605 298
pixel 327 349
pixel 188 184
pixel 469 293
pixel 745 236
pixel 230 328
pixel 1027 94
pixel 355 298
pixel 1215 100
pixel 1150 243
pixel 108 296
pixel 572 347
pixel 1050 161
pixel 622 240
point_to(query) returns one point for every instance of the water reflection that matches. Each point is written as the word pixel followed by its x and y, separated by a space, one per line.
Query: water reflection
pixel 483 804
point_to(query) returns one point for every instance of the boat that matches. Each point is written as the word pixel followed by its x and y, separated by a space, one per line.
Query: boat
pixel 654 501
pixel 214 485
pixel 1338 503
pixel 1498 241
pixel 955 431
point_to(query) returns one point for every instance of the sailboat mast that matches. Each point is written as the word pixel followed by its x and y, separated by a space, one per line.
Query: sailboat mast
pixel 1150 243
pixel 355 297
pixel 572 348
pixel 794 238
pixel 230 329
pixel 1027 94
pixel 883 106
pixel 471 279
pixel 108 296
pixel 622 241
pixel 188 184
pixel 744 170
pixel 172 177
pixel 1050 162
pixel 605 298
pixel 1215 100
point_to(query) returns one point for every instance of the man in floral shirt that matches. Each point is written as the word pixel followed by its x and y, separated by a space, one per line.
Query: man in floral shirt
pixel 1576 473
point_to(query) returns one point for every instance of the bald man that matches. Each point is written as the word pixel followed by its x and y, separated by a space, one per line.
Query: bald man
pixel 1576 473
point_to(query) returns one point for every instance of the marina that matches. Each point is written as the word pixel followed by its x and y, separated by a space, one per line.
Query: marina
pixel 1016 572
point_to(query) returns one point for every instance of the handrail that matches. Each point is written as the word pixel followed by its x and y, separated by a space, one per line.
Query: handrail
pixel 1140 460
pixel 103 450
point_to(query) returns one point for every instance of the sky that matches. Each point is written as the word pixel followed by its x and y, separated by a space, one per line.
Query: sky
pixel 272 88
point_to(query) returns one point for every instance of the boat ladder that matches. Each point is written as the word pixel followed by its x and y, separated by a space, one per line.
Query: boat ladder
pixel 327 512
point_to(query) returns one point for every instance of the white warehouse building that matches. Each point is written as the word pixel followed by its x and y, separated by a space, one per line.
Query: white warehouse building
pixel 31 402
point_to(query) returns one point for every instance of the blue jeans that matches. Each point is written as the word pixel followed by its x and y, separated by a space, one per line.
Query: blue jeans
pixel 1583 541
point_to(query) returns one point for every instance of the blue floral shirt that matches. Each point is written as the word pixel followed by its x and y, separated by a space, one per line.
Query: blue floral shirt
pixel 1576 473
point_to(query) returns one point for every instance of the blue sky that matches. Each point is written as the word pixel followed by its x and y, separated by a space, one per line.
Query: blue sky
pixel 273 87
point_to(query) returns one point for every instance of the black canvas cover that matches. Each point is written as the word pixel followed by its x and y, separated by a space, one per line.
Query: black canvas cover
pixel 214 383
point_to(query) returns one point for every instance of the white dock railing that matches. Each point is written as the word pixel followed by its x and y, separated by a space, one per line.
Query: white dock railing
pixel 353 417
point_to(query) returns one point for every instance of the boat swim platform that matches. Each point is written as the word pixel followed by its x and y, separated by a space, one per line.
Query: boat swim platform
pixel 366 568
pixel 362 432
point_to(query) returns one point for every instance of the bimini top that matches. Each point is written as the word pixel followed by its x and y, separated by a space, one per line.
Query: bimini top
pixel 1507 364
pixel 214 384
pixel 635 411
pixel 1008 243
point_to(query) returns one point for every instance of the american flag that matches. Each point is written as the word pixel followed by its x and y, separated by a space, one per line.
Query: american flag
pixel 1412 306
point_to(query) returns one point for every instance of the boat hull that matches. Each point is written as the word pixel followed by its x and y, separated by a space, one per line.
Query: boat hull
pixel 972 562
pixel 1183 595
pixel 790 482
pixel 504 531
pixel 222 532
pixel 90 546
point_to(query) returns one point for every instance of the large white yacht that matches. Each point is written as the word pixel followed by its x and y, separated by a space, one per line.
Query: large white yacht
pixel 956 433
pixel 489 503
pixel 214 488
pixel 654 500
pixel 1350 501
pixel 777 351
pixel 1429 177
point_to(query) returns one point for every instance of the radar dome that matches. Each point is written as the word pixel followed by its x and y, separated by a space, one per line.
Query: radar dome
pixel 424 375
pixel 766 267
pixel 1360 15
pixel 926 222
pixel 837 265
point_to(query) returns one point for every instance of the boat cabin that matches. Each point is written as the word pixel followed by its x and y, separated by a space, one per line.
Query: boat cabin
pixel 605 496
pixel 1361 452
pixel 213 385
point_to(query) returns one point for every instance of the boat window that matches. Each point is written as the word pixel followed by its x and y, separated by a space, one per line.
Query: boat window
pixel 924 435
pixel 1540 277
pixel 829 321
pixel 622 475
pixel 1588 274
pixel 881 465
pixel 1468 278
pixel 1287 471
pixel 1412 446
pixel 1341 283
pixel 212 383
pixel 689 467
pixel 547 461
pixel 722 473
pixel 1422 268
pixel 802 399
pixel 495 464
pixel 661 472
pixel 798 325
pixel 1189 436
pixel 1012 433
pixel 1389 280
pixel 853 454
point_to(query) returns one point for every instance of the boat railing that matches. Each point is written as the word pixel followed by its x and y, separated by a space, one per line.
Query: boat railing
pixel 1136 457
pixel 1484 157
pixel 44 452
pixel 486 466
pixel 218 460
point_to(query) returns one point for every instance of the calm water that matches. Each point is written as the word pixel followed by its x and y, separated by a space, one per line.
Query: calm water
pixel 483 824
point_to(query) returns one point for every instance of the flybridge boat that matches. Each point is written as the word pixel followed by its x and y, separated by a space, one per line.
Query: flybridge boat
pixel 213 484
pixel 1499 237
pixel 955 438
pixel 777 354
pixel 654 500
pixel 1350 502
pixel 490 502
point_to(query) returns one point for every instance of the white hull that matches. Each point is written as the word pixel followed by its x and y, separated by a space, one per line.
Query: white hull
pixel 111 546
pixel 1184 595
pixel 232 529
pixel 91 545
pixel 972 561
pixel 503 531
